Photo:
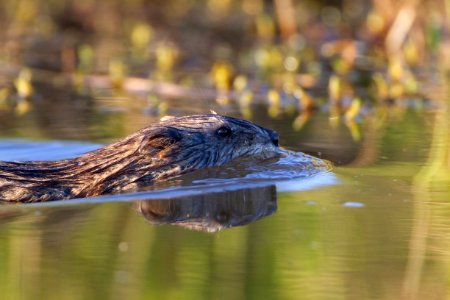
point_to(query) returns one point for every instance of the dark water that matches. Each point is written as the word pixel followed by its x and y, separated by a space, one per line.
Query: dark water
pixel 374 228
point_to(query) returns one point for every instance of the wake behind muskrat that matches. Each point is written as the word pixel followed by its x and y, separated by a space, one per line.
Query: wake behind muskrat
pixel 167 149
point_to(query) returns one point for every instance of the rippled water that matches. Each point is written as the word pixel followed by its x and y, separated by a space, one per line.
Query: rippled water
pixel 375 227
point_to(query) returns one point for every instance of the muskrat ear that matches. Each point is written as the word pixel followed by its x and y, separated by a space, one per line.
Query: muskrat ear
pixel 160 138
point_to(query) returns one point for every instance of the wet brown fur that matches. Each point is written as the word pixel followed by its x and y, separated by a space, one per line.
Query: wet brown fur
pixel 169 148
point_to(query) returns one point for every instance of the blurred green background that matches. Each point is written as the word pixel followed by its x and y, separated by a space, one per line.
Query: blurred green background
pixel 364 84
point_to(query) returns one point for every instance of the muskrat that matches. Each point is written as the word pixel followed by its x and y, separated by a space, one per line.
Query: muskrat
pixel 169 148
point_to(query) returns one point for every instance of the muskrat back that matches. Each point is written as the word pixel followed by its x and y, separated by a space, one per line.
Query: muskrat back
pixel 169 148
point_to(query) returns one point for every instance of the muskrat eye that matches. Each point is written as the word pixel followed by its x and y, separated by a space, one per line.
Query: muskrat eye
pixel 223 131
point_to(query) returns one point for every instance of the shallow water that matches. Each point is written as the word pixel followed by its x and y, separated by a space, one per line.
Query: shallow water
pixel 376 227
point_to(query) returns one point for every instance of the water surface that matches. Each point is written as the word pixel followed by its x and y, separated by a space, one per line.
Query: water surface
pixel 374 228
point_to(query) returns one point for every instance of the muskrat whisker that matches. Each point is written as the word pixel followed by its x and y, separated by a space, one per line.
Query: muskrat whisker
pixel 207 158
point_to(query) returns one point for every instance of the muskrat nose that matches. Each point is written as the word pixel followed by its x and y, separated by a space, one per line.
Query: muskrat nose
pixel 274 137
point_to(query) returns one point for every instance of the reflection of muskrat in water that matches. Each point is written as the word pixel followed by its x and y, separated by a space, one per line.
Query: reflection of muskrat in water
pixel 169 148
pixel 212 211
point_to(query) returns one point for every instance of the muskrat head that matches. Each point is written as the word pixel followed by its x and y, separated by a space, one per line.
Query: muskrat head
pixel 194 142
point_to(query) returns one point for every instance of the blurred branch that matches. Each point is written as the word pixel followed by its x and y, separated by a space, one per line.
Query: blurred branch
pixel 285 11
pixel 401 27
